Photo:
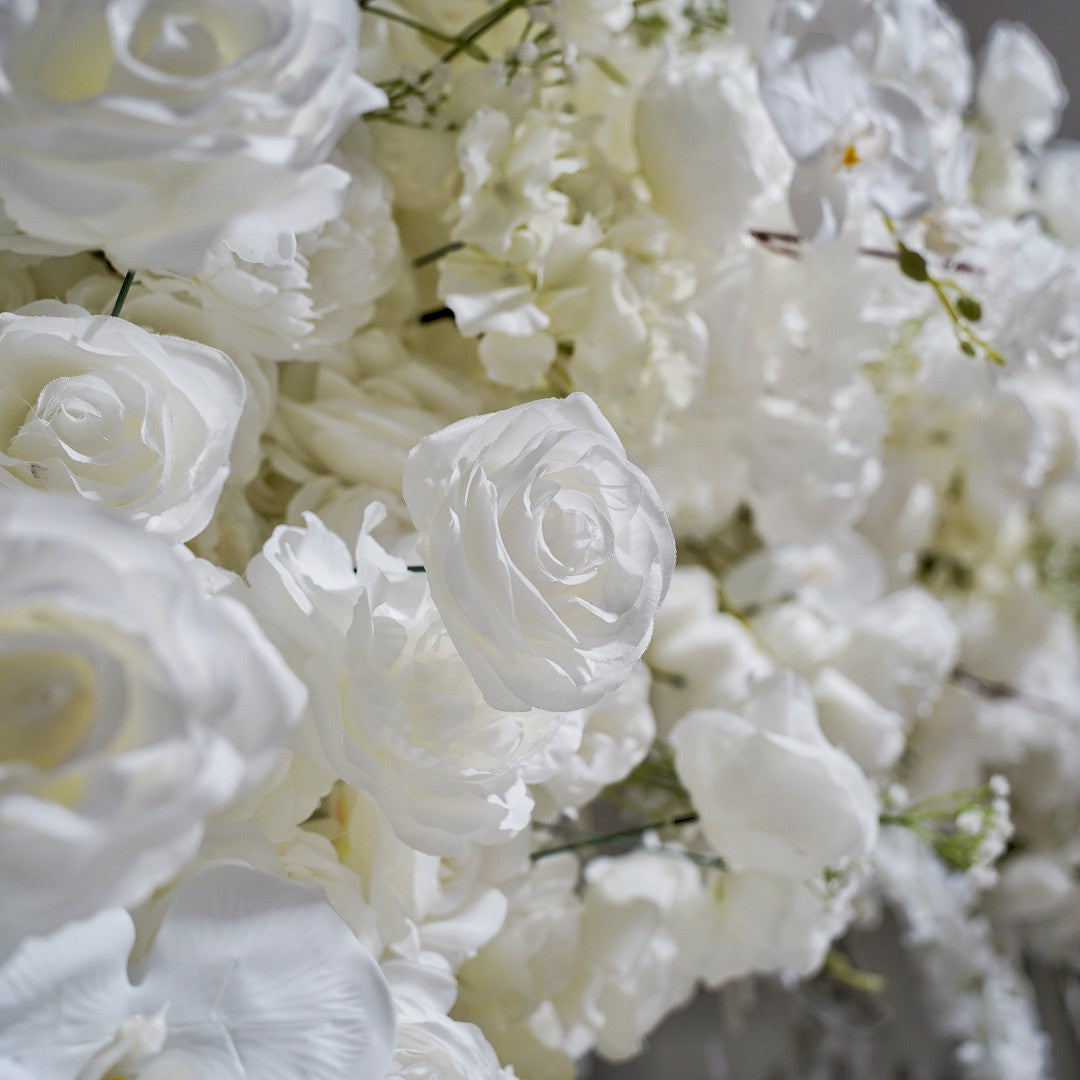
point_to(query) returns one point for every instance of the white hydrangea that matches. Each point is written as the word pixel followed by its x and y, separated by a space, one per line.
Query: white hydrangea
pixel 773 794
pixel 631 969
pixel 1019 92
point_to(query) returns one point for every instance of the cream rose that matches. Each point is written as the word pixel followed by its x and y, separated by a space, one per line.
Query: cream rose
pixel 139 422
pixel 133 707
pixel 546 550
pixel 152 128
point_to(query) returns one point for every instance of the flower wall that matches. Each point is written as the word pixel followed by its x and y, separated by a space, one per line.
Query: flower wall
pixel 513 512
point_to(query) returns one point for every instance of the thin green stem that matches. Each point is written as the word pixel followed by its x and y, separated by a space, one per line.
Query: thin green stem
pixel 620 834
pixel 839 967
pixel 437 253
pixel 1000 691
pixel 479 27
pixel 413 24
pixel 122 295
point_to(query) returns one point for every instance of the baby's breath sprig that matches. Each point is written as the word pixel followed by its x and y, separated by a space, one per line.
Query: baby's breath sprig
pixel 651 24
pixel 414 97
pixel 969 829
pixel 706 16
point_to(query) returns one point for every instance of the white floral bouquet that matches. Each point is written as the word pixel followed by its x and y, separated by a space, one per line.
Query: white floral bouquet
pixel 363 366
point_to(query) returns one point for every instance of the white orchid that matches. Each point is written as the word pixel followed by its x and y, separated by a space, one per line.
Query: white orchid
pixel 840 123
pixel 248 976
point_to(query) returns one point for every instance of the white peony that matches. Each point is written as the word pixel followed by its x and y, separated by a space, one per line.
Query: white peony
pixel 396 711
pixel 134 707
pixel 152 129
pixel 546 550
pixel 438 910
pixel 138 422
pixel 901 651
pixel 509 986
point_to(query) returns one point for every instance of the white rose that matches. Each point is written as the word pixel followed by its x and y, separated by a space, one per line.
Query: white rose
pixel 151 129
pixel 773 793
pixel 134 706
pixel 546 550
pixel 136 421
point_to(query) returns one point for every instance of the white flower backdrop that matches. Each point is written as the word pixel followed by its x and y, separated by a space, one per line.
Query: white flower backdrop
pixel 512 513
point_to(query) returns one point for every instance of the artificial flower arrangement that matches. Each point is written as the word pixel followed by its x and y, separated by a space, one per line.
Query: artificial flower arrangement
pixel 363 366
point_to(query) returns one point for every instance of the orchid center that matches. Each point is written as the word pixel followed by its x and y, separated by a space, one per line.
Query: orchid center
pixel 859 142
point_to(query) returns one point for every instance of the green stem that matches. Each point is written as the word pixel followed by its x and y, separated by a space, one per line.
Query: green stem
pixel 122 295
pixel 621 834
pixel 993 690
pixel 437 253
pixel 419 27
pixel 844 971
pixel 479 27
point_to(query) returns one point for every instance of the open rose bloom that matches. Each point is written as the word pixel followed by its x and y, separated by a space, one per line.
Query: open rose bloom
pixel 515 515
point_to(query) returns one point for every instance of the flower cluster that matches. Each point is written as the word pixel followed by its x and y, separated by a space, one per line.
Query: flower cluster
pixel 364 367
